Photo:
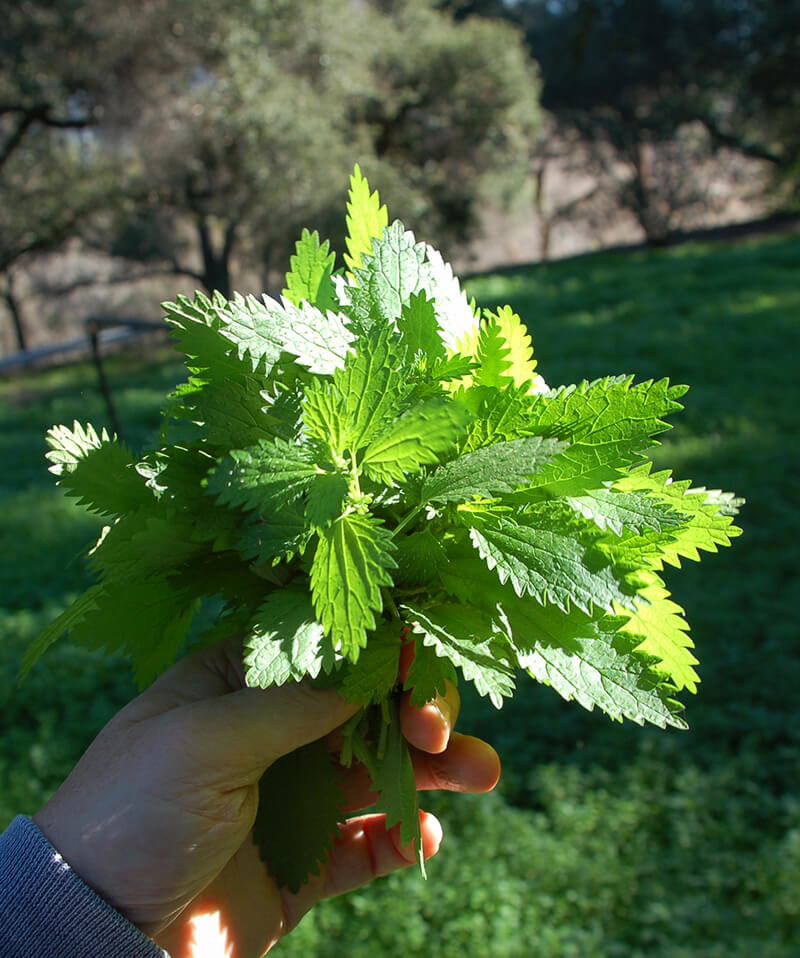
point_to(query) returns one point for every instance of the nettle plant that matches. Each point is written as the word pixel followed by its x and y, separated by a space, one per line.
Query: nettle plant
pixel 371 462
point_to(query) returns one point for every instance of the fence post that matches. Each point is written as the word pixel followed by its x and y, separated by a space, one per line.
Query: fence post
pixel 94 338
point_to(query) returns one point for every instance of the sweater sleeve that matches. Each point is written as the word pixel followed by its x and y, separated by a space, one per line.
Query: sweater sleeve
pixel 46 909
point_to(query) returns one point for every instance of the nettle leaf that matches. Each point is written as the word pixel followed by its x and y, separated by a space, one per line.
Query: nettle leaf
pixel 97 471
pixel 608 425
pixel 708 515
pixel 374 675
pixel 396 785
pixel 146 620
pixel 232 412
pixel 196 328
pixel 353 559
pixel 581 658
pixel 366 220
pixel 521 364
pixel 614 510
pixel 502 347
pixel 325 498
pixel 470 640
pixel 455 313
pixel 420 437
pixel 388 277
pixel 372 385
pixel 494 470
pixel 545 554
pixel 144 545
pixel 302 793
pixel 310 277
pixel 282 534
pixel 419 329
pixel 265 329
pixel 428 674
pixel 420 556
pixel 325 418
pixel 61 626
pixel 499 415
pixel 285 642
pixel 268 475
pixel 658 628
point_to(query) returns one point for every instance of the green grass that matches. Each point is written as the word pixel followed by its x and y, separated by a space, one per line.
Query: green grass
pixel 603 840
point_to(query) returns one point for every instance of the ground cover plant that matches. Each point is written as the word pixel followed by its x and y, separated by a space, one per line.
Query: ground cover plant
pixel 603 840
pixel 369 478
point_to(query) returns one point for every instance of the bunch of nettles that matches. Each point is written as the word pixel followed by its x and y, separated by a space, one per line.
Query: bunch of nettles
pixel 371 461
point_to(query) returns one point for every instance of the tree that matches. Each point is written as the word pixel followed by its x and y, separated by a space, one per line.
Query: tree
pixel 634 76
pixel 260 138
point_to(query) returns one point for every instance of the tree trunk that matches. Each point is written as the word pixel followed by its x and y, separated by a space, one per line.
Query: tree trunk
pixel 216 256
pixel 15 311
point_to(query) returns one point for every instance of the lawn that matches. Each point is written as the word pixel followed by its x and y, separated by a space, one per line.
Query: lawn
pixel 602 840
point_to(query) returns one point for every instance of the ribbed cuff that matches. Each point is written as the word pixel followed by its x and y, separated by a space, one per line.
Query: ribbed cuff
pixel 46 909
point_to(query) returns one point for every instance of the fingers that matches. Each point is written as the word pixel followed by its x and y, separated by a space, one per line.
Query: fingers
pixel 467 765
pixel 365 850
pixel 428 728
pixel 243 732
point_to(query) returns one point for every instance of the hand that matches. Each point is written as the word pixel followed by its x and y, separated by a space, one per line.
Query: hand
pixel 157 815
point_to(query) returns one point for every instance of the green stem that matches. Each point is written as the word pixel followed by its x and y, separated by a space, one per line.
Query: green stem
pixel 412 515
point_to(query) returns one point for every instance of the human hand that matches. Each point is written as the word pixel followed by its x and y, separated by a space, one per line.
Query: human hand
pixel 157 815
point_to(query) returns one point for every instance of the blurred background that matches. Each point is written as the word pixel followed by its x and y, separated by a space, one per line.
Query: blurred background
pixel 625 173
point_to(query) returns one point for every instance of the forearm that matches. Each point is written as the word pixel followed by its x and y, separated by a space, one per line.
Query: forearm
pixel 47 909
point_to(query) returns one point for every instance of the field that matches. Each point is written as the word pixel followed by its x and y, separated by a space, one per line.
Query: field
pixel 602 840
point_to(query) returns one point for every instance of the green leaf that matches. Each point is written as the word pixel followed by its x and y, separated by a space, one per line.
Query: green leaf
pixel 428 674
pixel 97 471
pixel 281 534
pixel 374 675
pixel 418 438
pixel 366 220
pixel 420 555
pixel 310 276
pixel 373 385
pixel 709 517
pixel 266 476
pixel 608 424
pixel 580 658
pixel 147 620
pixel 658 628
pixel 325 418
pixel 419 329
pixel 498 415
pixel 300 805
pixel 144 545
pixel 285 642
pixel 546 554
pixel 264 330
pixel 521 366
pixel 61 626
pixel 388 277
pixel 614 510
pixel 491 471
pixel 350 565
pixel 396 785
pixel 454 312
pixel 469 639
pixel 325 498
pixel 196 328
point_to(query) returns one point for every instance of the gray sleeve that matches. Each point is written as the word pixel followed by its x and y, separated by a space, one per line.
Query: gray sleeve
pixel 46 909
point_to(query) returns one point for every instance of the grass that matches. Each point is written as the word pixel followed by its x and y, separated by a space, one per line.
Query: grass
pixel 602 840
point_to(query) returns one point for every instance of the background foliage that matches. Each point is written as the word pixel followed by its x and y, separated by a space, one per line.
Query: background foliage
pixel 602 839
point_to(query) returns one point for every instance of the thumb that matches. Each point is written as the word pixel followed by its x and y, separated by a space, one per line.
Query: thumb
pixel 247 730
